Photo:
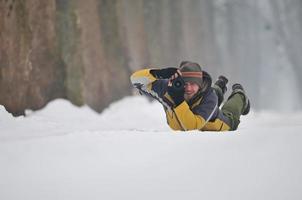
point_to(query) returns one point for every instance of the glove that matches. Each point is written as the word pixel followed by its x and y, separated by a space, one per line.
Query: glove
pixel 177 90
pixel 163 73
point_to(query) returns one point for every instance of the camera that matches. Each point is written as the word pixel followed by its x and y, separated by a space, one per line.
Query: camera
pixel 178 84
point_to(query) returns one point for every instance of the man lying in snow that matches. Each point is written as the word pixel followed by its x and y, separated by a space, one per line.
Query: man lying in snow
pixel 189 100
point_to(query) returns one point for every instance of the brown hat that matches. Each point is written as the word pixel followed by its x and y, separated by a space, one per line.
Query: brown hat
pixel 191 72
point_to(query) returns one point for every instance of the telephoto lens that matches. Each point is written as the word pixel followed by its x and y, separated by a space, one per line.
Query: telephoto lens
pixel 178 84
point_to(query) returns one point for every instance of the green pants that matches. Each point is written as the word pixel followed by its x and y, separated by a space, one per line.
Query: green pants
pixel 233 108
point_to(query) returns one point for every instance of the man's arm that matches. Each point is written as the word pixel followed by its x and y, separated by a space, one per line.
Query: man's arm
pixel 196 119
pixel 187 119
pixel 152 80
pixel 143 80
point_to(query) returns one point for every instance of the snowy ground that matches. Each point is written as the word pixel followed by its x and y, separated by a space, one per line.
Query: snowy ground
pixel 67 153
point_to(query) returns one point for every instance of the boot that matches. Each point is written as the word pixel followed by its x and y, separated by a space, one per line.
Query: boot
pixel 220 88
pixel 237 88
pixel 221 82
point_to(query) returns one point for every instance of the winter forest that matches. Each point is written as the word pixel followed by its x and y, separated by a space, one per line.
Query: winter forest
pixel 85 51
pixel 73 127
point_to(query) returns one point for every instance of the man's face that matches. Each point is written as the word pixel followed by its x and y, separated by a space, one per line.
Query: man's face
pixel 191 89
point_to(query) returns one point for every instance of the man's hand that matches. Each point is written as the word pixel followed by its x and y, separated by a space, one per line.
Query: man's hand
pixel 176 88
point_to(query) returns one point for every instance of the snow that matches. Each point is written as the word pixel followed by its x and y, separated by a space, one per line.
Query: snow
pixel 128 152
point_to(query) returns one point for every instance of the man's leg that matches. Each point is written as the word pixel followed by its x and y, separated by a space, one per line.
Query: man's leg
pixel 236 105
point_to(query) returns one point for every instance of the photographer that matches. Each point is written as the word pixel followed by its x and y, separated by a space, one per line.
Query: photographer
pixel 189 100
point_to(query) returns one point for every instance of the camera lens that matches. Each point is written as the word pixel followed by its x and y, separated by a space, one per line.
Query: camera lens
pixel 178 83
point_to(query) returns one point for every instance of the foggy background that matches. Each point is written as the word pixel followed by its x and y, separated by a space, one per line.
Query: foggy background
pixel 85 51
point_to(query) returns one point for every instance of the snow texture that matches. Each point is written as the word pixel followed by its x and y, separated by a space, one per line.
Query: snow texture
pixel 64 152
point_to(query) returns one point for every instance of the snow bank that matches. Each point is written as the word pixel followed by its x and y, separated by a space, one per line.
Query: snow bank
pixel 128 152
pixel 60 117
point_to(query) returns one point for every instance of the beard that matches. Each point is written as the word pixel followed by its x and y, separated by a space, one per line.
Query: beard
pixel 188 96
